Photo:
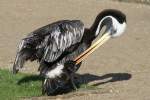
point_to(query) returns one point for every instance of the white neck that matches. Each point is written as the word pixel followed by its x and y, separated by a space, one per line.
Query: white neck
pixel 120 28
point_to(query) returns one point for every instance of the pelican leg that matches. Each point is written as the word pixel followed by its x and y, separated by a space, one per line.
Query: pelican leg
pixel 43 89
pixel 43 86
pixel 72 82
pixel 71 68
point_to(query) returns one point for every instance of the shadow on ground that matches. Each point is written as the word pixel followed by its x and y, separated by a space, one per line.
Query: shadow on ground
pixel 30 78
pixel 85 78
pixel 111 77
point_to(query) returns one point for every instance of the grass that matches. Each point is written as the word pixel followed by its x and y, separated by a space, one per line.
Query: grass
pixel 14 87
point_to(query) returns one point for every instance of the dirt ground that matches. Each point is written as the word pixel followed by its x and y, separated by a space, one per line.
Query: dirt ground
pixel 125 60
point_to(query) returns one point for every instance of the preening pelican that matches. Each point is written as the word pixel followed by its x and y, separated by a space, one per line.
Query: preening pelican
pixel 60 47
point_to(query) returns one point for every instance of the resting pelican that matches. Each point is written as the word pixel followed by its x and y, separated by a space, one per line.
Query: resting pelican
pixel 60 47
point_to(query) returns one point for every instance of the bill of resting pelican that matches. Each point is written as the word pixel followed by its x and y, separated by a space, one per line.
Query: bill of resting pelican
pixel 91 49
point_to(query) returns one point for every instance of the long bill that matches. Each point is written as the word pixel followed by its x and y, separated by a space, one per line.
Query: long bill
pixel 95 46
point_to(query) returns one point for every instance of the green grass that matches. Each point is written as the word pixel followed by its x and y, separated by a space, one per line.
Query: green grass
pixel 14 87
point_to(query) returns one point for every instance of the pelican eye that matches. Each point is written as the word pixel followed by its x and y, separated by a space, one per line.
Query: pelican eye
pixel 113 31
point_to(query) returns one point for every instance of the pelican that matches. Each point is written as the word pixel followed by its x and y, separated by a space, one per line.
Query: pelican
pixel 61 47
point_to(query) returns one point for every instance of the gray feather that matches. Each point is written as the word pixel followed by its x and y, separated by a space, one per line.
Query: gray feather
pixel 49 42
pixel 63 35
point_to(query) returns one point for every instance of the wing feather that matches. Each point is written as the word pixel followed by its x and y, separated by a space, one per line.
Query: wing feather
pixel 49 42
pixel 62 37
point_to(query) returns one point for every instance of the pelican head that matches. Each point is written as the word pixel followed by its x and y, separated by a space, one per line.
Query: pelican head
pixel 114 20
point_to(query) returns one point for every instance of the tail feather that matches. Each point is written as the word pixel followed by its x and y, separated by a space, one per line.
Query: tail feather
pixel 24 53
pixel 19 62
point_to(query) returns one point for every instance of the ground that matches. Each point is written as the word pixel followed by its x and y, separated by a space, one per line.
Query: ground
pixel 128 55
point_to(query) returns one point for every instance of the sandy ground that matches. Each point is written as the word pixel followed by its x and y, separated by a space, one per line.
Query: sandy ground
pixel 118 59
